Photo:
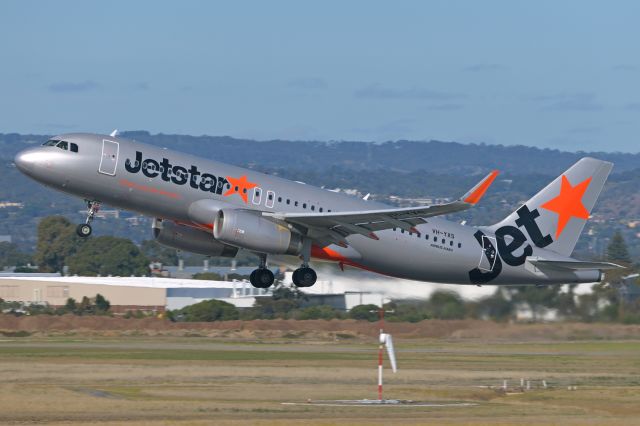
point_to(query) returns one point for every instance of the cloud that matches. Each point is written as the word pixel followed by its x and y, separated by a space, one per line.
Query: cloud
pixel 71 87
pixel 585 130
pixel 625 67
pixel 484 67
pixel 568 102
pixel 375 91
pixel 633 106
pixel 310 83
pixel 445 107
pixel 141 86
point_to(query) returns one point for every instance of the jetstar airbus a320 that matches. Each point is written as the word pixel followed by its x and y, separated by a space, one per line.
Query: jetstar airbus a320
pixel 215 209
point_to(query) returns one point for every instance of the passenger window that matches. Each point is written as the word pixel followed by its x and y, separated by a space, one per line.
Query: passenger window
pixel 459 245
pixel 288 201
pixel 451 243
pixel 426 236
pixel 313 207
pixel 320 209
pixel 271 196
pixel 304 205
pixel 74 147
pixel 402 231
pixel 443 241
pixel 257 196
pixel 279 199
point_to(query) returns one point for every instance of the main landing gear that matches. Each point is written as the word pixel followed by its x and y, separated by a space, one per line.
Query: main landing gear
pixel 262 277
pixel 84 229
pixel 304 276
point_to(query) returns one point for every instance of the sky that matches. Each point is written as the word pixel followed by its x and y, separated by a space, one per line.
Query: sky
pixel 551 74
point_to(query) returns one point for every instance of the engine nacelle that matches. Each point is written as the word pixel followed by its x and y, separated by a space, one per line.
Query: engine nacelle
pixel 249 230
pixel 190 239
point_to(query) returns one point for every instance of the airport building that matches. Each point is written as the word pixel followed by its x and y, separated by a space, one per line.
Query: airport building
pixel 153 294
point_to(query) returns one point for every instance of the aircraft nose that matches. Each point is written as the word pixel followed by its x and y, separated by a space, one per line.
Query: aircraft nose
pixel 26 160
pixel 21 160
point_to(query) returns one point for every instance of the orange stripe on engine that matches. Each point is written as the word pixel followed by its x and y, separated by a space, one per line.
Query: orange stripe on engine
pixel 205 226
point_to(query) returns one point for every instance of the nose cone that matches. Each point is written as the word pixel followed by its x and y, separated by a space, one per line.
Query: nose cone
pixel 28 160
pixel 22 161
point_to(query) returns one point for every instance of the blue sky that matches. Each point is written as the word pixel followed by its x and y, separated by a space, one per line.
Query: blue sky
pixel 557 74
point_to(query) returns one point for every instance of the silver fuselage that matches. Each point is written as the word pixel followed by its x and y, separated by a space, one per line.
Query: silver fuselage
pixel 110 169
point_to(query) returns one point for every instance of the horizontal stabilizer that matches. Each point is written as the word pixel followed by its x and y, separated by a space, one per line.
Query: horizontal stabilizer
pixel 574 265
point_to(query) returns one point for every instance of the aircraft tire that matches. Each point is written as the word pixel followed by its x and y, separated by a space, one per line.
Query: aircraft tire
pixel 261 278
pixel 304 277
pixel 83 230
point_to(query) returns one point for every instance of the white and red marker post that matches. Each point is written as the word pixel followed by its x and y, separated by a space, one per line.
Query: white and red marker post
pixel 384 340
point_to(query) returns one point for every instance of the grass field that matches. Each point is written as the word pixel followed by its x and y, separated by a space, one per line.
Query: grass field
pixel 194 380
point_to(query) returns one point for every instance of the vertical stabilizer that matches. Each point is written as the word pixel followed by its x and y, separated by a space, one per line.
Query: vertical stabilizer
pixel 555 217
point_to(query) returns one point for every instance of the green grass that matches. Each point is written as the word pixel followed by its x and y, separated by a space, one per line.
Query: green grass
pixel 192 380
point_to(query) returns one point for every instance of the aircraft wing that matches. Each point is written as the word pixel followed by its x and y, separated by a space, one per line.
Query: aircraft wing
pixel 338 225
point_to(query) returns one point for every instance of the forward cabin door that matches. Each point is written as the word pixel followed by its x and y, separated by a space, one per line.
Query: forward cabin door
pixel 109 159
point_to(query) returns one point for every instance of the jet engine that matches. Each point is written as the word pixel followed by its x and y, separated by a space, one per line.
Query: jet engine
pixel 249 230
pixel 190 239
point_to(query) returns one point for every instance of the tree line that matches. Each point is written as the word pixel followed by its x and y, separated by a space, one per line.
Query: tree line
pixel 97 305
pixel 59 246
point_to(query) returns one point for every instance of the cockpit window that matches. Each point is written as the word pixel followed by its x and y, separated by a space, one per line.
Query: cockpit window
pixel 67 146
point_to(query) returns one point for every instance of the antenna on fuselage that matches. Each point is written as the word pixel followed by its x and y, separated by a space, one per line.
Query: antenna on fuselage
pixel 114 133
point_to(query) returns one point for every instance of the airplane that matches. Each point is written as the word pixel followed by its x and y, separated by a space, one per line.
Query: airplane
pixel 216 209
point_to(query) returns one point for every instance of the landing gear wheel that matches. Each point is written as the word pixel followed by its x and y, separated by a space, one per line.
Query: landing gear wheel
pixel 261 278
pixel 83 230
pixel 304 277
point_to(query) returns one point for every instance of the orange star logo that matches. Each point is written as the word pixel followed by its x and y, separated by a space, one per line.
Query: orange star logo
pixel 240 186
pixel 568 203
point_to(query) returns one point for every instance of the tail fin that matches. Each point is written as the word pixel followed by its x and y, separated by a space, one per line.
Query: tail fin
pixel 555 216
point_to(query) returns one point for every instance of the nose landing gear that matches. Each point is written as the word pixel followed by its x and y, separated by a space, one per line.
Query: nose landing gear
pixel 84 229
